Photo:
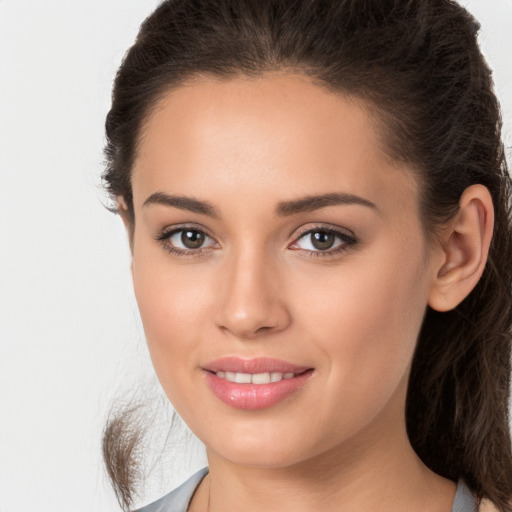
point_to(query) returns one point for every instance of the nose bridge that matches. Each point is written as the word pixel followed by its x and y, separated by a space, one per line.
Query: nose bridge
pixel 252 301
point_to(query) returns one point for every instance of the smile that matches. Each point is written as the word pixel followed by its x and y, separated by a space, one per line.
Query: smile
pixel 255 378
pixel 253 384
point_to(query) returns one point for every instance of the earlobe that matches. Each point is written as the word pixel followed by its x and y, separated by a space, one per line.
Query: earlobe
pixel 465 245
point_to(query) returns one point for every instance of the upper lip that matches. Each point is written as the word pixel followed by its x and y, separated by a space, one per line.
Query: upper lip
pixel 254 365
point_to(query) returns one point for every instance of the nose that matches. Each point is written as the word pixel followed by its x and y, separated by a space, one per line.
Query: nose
pixel 251 297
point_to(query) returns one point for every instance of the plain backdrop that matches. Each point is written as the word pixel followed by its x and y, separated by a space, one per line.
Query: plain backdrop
pixel 70 336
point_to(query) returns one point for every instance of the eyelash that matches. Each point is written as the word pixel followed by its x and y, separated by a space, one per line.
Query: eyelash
pixel 165 236
pixel 348 242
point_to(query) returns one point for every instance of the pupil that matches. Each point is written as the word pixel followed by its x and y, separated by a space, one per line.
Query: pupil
pixel 192 239
pixel 322 240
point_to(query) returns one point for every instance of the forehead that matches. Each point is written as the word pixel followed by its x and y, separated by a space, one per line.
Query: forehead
pixel 261 135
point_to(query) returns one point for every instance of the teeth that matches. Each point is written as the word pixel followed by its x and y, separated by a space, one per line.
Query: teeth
pixel 243 378
pixel 260 378
pixel 254 378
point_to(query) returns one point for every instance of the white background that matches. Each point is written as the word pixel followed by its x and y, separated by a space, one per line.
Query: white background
pixel 70 336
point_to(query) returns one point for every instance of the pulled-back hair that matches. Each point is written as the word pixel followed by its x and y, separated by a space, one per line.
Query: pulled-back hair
pixel 418 65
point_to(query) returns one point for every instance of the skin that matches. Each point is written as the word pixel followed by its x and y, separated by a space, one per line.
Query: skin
pixel 258 287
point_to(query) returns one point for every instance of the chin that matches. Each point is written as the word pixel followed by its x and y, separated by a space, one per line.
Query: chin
pixel 280 449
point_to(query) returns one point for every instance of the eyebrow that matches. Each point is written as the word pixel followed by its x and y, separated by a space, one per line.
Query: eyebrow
pixel 284 209
pixel 183 203
pixel 311 203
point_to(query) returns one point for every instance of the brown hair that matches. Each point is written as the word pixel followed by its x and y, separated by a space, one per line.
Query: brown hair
pixel 418 63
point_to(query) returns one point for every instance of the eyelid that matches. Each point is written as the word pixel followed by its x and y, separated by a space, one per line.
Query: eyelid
pixel 170 230
pixel 347 236
pixel 164 236
pixel 324 227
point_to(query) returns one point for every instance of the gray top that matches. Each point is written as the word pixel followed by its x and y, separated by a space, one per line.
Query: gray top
pixel 179 499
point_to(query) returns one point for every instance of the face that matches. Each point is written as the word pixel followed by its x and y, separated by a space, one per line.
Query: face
pixel 276 245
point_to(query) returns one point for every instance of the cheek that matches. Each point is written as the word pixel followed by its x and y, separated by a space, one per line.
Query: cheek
pixel 173 302
pixel 365 320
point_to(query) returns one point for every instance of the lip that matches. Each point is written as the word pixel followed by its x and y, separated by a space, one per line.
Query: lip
pixel 254 365
pixel 254 396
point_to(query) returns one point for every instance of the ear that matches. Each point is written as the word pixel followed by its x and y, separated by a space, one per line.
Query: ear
pixel 464 246
pixel 122 209
pixel 127 218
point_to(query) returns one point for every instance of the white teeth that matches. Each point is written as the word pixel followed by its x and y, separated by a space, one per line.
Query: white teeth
pixel 276 377
pixel 254 378
pixel 243 378
pixel 261 378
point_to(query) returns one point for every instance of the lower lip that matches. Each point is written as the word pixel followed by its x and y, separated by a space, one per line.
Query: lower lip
pixel 255 396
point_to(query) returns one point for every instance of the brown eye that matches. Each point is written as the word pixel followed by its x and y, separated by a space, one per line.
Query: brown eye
pixel 186 241
pixel 192 239
pixel 322 240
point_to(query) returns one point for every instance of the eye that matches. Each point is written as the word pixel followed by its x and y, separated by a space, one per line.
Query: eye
pixel 188 238
pixel 323 240
pixel 185 241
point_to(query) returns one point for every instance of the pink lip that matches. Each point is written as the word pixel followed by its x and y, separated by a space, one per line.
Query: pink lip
pixel 254 396
pixel 255 365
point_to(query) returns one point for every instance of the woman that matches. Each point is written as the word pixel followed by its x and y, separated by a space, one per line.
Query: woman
pixel 318 207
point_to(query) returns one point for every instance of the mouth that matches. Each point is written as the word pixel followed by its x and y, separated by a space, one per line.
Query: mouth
pixel 252 384
pixel 256 378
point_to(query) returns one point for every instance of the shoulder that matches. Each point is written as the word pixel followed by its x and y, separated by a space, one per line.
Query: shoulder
pixel 465 501
pixel 178 499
